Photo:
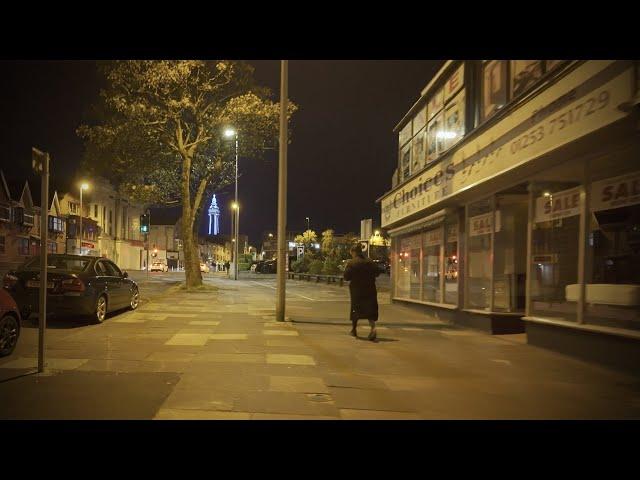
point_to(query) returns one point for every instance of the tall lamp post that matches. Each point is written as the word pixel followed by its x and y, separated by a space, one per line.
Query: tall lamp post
pixel 83 186
pixel 308 223
pixel 230 133
pixel 235 218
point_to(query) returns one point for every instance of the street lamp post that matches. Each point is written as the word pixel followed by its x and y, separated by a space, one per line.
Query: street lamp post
pixel 83 186
pixel 308 223
pixel 229 133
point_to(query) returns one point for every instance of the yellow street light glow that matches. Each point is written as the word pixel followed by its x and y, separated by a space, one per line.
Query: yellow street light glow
pixel 377 232
pixel 270 235
pixel 84 186
pixel 229 132
pixel 547 194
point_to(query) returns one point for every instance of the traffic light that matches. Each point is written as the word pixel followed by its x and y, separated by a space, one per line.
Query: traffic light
pixel 144 223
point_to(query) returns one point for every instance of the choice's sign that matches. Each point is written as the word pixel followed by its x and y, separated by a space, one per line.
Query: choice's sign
pixel 558 205
pixel 615 192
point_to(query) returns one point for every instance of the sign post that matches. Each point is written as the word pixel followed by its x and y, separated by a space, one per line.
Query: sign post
pixel 40 163
pixel 283 253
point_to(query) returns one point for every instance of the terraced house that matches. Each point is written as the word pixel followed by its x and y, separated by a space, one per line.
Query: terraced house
pixel 515 205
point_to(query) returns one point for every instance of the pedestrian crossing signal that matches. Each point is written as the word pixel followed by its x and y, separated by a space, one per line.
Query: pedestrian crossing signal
pixel 144 223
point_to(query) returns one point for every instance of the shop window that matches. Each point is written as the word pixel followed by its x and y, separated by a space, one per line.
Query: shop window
pixel 408 270
pixel 431 265
pixel 510 245
pixel 524 74
pixel 52 247
pixel 554 261
pixel 479 226
pixel 494 87
pixel 612 291
pixel 435 140
pixel 74 208
pixel 451 264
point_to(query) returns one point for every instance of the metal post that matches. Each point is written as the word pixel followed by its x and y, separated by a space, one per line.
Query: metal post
pixel 282 193
pixel 492 252
pixel 80 232
pixel 237 214
pixel 148 235
pixel 583 244
pixel 42 320
pixel 530 271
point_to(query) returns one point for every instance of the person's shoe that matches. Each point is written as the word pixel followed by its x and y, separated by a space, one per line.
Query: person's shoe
pixel 353 332
pixel 372 335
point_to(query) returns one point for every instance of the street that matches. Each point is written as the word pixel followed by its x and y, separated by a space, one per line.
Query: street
pixel 219 354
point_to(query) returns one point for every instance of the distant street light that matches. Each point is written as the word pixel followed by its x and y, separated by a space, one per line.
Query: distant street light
pixel 83 186
pixel 308 223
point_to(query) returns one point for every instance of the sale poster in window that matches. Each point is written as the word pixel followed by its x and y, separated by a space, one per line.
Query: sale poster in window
pixel 494 87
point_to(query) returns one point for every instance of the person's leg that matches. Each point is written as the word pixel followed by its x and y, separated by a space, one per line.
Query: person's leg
pixel 354 324
pixel 372 333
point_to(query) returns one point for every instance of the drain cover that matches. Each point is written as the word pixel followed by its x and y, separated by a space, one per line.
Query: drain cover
pixel 319 397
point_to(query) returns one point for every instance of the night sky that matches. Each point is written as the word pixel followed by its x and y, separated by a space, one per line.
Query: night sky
pixel 341 158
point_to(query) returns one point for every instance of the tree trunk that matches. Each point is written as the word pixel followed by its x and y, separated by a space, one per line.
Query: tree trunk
pixel 191 268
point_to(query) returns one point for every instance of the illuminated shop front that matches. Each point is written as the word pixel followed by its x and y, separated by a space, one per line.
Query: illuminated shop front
pixel 516 203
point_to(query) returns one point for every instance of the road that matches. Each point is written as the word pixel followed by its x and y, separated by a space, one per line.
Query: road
pixel 218 353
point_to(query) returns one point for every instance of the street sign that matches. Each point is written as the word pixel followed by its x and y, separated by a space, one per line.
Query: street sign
pixel 364 244
pixel 300 250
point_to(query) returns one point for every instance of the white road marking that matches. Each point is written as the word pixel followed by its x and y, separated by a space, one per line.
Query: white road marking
pixel 274 288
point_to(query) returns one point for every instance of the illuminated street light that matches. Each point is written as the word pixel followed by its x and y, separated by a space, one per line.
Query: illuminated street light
pixel 83 186
pixel 230 133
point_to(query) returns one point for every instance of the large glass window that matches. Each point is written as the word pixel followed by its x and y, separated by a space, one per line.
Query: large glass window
pixel 431 261
pixel 405 162
pixel 479 226
pixel 408 271
pixel 510 246
pixel 613 255
pixel 451 263
pixel 555 234
pixel 454 121
pixel 418 155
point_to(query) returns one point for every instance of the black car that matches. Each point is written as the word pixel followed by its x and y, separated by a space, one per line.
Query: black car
pixel 76 285
pixel 269 266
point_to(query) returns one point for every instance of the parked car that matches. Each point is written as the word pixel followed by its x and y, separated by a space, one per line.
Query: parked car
pixel 9 323
pixel 204 268
pixel 76 285
pixel 159 267
pixel 258 266
pixel 269 266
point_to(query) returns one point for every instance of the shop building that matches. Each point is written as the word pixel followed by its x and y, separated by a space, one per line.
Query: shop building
pixel 515 205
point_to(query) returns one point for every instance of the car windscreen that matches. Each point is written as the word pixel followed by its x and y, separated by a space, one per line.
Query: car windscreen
pixel 54 262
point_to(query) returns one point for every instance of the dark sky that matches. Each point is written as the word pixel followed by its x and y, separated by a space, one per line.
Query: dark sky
pixel 341 158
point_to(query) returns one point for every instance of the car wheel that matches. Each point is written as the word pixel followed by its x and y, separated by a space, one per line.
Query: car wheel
pixel 101 309
pixel 135 299
pixel 9 332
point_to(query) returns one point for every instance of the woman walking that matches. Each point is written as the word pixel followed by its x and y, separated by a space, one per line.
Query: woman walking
pixel 362 273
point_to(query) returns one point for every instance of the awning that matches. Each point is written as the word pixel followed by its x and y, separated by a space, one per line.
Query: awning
pixel 432 220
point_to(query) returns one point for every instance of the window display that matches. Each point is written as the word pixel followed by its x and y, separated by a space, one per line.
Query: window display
pixel 405 156
pixel 408 270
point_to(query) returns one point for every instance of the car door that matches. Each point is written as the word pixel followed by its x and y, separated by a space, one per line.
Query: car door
pixel 115 286
pixel 102 277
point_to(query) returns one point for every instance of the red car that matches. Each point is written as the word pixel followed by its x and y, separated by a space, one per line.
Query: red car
pixel 9 323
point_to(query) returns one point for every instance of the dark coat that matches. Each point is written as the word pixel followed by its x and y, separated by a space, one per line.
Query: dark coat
pixel 362 273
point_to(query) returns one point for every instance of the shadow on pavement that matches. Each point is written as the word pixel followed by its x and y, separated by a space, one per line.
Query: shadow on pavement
pixel 385 324
pixel 20 375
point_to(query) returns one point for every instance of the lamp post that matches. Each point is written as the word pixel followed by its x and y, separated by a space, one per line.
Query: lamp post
pixel 235 219
pixel 230 133
pixel 83 186
pixel 308 223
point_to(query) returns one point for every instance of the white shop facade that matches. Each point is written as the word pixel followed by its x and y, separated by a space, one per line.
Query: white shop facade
pixel 516 203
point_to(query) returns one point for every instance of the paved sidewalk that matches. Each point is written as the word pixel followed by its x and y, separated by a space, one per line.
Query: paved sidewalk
pixel 221 355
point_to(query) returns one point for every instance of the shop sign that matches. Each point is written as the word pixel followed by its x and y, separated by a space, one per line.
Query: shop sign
pixel 433 237
pixel 615 192
pixel 481 224
pixel 558 205
pixel 583 101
